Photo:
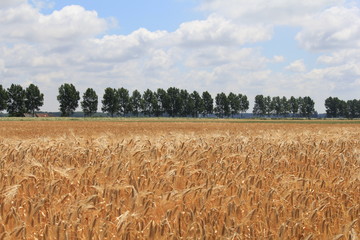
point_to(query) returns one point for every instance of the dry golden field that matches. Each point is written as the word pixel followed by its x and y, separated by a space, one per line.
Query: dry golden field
pixel 171 180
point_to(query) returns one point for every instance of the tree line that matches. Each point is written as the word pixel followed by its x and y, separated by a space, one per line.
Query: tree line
pixel 173 102
pixel 17 101
pixel 336 108
pixel 283 107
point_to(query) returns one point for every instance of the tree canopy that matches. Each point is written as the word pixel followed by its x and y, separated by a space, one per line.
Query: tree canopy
pixel 110 102
pixel 173 102
pixel 68 98
pixel 16 101
pixel 136 103
pixel 34 99
pixel 89 103
pixel 3 98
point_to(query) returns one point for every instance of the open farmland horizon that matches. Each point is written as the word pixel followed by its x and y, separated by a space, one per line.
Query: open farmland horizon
pixel 184 119
pixel 179 179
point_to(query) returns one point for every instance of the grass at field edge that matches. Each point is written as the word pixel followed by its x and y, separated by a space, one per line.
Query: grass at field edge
pixel 190 120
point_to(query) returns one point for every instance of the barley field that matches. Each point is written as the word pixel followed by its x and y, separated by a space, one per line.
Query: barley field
pixel 179 180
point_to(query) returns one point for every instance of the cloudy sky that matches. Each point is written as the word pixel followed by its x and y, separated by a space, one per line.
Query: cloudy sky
pixel 271 47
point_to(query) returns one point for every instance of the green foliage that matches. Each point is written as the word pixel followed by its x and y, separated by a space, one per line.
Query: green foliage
pixel 222 108
pixel 306 106
pixel 147 102
pixel 110 102
pixel 282 107
pixel 259 107
pixel 34 99
pixel 174 103
pixel 331 105
pixel 68 98
pixel 339 108
pixel 285 107
pixel 277 106
pixel 244 103
pixel 268 105
pixel 353 108
pixel 198 102
pixel 136 102
pixel 187 104
pixel 16 101
pixel 162 102
pixel 293 105
pixel 90 102
pixel 3 98
pixel 234 103
pixel 208 103
pixel 124 101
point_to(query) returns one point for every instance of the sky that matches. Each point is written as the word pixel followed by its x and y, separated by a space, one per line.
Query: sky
pixel 270 47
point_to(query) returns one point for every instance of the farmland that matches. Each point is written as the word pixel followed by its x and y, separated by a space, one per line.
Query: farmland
pixel 179 180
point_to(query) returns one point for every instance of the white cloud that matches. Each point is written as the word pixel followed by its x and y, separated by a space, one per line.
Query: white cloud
pixel 124 47
pixel 278 59
pixel 25 23
pixel 216 30
pixel 246 59
pixel 334 28
pixel 42 4
pixel 343 75
pixel 341 57
pixel 11 3
pixel 159 59
pixel 268 11
pixel 297 66
pixel 222 52
pixel 2 66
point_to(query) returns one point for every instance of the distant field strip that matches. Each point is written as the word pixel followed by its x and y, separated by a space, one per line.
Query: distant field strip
pixel 191 120
pixel 178 180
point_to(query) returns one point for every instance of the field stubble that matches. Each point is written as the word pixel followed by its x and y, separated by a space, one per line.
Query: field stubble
pixel 88 180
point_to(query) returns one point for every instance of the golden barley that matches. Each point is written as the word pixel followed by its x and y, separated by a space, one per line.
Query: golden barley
pixel 69 180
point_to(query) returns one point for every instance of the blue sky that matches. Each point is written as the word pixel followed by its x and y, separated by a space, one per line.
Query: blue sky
pixel 132 15
pixel 271 47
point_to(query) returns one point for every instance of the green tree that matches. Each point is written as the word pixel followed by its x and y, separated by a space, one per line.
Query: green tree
pixel 222 108
pixel 285 106
pixel 302 110
pixel 124 101
pixel 34 99
pixel 110 102
pixel 234 103
pixel 148 99
pixel 306 106
pixel 90 102
pixel 68 98
pixel 259 106
pixel 157 109
pixel 277 106
pixel 357 107
pixel 3 98
pixel 136 102
pixel 294 106
pixel 175 102
pixel 333 107
pixel 351 108
pixel 198 104
pixel 343 109
pixel 208 103
pixel 268 105
pixel 244 103
pixel 16 101
pixel 187 105
pixel 162 102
